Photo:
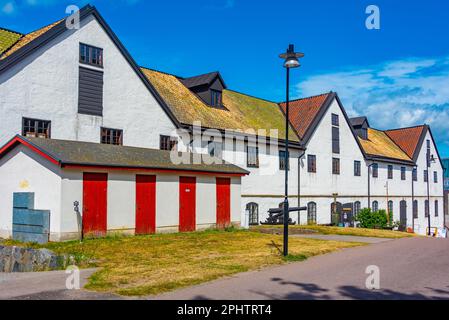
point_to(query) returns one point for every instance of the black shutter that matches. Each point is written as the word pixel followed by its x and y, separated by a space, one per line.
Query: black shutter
pixel 335 140
pixel 90 98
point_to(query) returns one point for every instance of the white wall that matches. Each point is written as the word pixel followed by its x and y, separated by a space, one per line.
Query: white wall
pixel 23 171
pixel 45 86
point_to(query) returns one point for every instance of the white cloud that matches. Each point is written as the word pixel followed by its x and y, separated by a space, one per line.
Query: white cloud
pixel 393 94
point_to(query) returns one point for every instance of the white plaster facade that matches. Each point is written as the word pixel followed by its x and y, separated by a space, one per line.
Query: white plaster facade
pixel 45 86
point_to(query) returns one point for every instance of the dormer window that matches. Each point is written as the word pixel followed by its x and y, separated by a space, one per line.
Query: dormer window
pixel 215 100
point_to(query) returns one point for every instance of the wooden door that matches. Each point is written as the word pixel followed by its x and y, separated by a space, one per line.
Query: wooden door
pixel 223 202
pixel 145 204
pixel 187 204
pixel 95 189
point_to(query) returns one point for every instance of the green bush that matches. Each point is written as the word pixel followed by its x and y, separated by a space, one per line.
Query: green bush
pixel 374 220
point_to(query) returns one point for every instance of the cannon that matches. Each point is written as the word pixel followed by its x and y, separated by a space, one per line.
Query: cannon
pixel 276 216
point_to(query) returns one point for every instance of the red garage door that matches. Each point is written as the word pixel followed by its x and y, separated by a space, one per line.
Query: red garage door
pixel 95 188
pixel 187 204
pixel 223 202
pixel 145 204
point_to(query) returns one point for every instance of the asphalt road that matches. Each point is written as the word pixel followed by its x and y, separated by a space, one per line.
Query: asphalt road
pixel 414 268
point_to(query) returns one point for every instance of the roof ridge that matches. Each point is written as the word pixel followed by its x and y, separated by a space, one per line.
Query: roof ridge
pixel 160 71
pixel 252 96
pixel 310 97
pixel 405 128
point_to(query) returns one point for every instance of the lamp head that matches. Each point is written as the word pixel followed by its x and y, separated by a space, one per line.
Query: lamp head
pixel 291 57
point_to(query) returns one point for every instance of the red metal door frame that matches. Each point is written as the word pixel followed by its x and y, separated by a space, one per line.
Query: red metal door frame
pixel 223 190
pixel 95 203
pixel 187 204
pixel 145 204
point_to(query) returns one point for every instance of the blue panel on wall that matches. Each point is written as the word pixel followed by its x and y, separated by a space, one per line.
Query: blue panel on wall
pixel 31 217
pixel 23 200
pixel 30 237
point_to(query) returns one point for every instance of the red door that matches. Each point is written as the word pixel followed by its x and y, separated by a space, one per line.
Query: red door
pixel 223 202
pixel 145 204
pixel 187 204
pixel 95 189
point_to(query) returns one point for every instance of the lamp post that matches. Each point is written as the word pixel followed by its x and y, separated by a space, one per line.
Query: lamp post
pixel 291 60
pixel 369 185
pixel 430 159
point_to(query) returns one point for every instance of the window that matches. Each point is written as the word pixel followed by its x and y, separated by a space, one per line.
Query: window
pixel 335 120
pixel 252 160
pixel 335 140
pixel 335 166
pixel 215 149
pixel 375 169
pixel 91 55
pixel 215 98
pixel 112 136
pixel 390 172
pixel 375 206
pixel 167 143
pixel 357 168
pixel 403 173
pixel 435 177
pixel 415 209
pixel 253 211
pixel 426 208
pixel 90 92
pixel 436 208
pixel 426 176
pixel 415 174
pixel 282 165
pixel 357 207
pixel 428 144
pixel 311 213
pixel 390 207
pixel 311 163
pixel 36 128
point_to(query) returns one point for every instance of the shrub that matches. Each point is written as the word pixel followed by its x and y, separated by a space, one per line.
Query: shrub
pixel 374 220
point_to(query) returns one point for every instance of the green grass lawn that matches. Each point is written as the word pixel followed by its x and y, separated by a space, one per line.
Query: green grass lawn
pixel 146 265
pixel 349 231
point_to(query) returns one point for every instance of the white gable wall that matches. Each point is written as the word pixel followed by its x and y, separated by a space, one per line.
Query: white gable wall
pixel 45 86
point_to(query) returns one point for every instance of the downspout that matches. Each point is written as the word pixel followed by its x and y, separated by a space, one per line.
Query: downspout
pixel 299 186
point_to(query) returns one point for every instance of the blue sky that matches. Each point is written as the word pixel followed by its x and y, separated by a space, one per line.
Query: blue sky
pixel 398 75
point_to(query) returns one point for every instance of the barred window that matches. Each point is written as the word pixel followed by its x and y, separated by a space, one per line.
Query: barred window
pixel 311 163
pixel 390 172
pixel 112 136
pixel 403 173
pixel 375 169
pixel 357 168
pixel 426 208
pixel 415 209
pixel 357 207
pixel 311 213
pixel 335 166
pixel 282 165
pixel 36 128
pixel 252 157
pixel 415 174
pixel 436 208
pixel 375 206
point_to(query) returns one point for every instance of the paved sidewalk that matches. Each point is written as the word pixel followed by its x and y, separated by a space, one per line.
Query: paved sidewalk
pixel 342 238
pixel 45 286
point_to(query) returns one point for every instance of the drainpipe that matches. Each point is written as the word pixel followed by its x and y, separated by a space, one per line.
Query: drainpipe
pixel 299 185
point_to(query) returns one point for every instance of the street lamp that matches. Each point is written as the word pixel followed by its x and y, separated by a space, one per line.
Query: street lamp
pixel 291 59
pixel 430 159
pixel 369 184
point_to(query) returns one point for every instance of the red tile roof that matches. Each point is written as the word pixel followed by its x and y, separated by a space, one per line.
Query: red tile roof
pixel 407 138
pixel 304 111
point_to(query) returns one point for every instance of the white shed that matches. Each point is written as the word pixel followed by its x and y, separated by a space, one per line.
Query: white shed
pixel 97 188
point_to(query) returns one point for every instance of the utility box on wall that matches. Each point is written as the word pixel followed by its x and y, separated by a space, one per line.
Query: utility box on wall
pixel 29 225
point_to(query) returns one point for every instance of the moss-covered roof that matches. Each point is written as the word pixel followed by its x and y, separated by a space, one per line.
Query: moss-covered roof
pixel 8 39
pixel 24 40
pixel 240 112
pixel 380 145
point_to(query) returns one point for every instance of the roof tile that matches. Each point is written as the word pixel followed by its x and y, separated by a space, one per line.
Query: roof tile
pixel 407 138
